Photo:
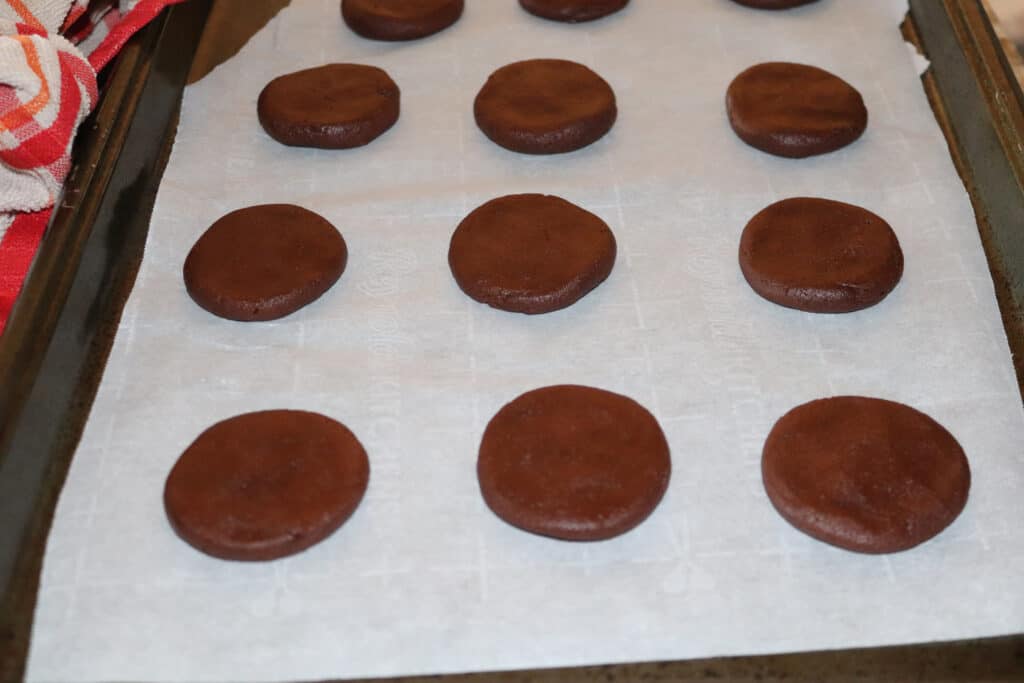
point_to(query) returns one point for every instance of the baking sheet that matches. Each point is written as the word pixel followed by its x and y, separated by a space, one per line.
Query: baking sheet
pixel 423 578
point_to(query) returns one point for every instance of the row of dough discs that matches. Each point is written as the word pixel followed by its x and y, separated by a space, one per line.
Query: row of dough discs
pixel 569 462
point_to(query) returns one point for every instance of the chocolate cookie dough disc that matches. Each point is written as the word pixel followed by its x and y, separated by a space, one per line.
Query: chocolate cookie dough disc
pixel 864 474
pixel 574 463
pixel 530 253
pixel 336 106
pixel 820 256
pixel 264 262
pixel 545 106
pixel 573 11
pixel 264 485
pixel 774 4
pixel 400 19
pixel 794 110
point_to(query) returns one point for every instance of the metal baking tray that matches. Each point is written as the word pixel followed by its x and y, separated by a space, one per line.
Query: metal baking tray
pixel 60 332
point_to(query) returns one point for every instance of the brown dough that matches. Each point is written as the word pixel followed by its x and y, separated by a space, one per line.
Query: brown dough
pixel 263 485
pixel 865 474
pixel 794 110
pixel 774 4
pixel 573 11
pixel 336 106
pixel 400 19
pixel 573 462
pixel 264 262
pixel 820 256
pixel 545 106
pixel 530 253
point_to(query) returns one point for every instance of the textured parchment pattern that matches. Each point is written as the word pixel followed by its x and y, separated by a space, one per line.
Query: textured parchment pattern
pixel 423 578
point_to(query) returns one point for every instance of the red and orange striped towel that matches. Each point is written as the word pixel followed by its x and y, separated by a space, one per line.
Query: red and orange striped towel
pixel 50 53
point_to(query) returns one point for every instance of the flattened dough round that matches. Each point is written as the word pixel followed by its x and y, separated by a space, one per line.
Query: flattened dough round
pixel 264 262
pixel 864 474
pixel 794 110
pixel 820 255
pixel 335 106
pixel 530 253
pixel 264 485
pixel 572 11
pixel 573 462
pixel 400 19
pixel 545 106
pixel 774 4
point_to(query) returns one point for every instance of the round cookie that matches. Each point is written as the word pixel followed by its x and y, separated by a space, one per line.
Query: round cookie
pixel 264 262
pixel 864 474
pixel 545 106
pixel 336 106
pixel 774 4
pixel 794 110
pixel 573 462
pixel 572 11
pixel 400 19
pixel 530 253
pixel 820 256
pixel 264 485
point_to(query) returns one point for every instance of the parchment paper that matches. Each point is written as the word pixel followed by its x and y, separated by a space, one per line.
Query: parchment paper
pixel 423 578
